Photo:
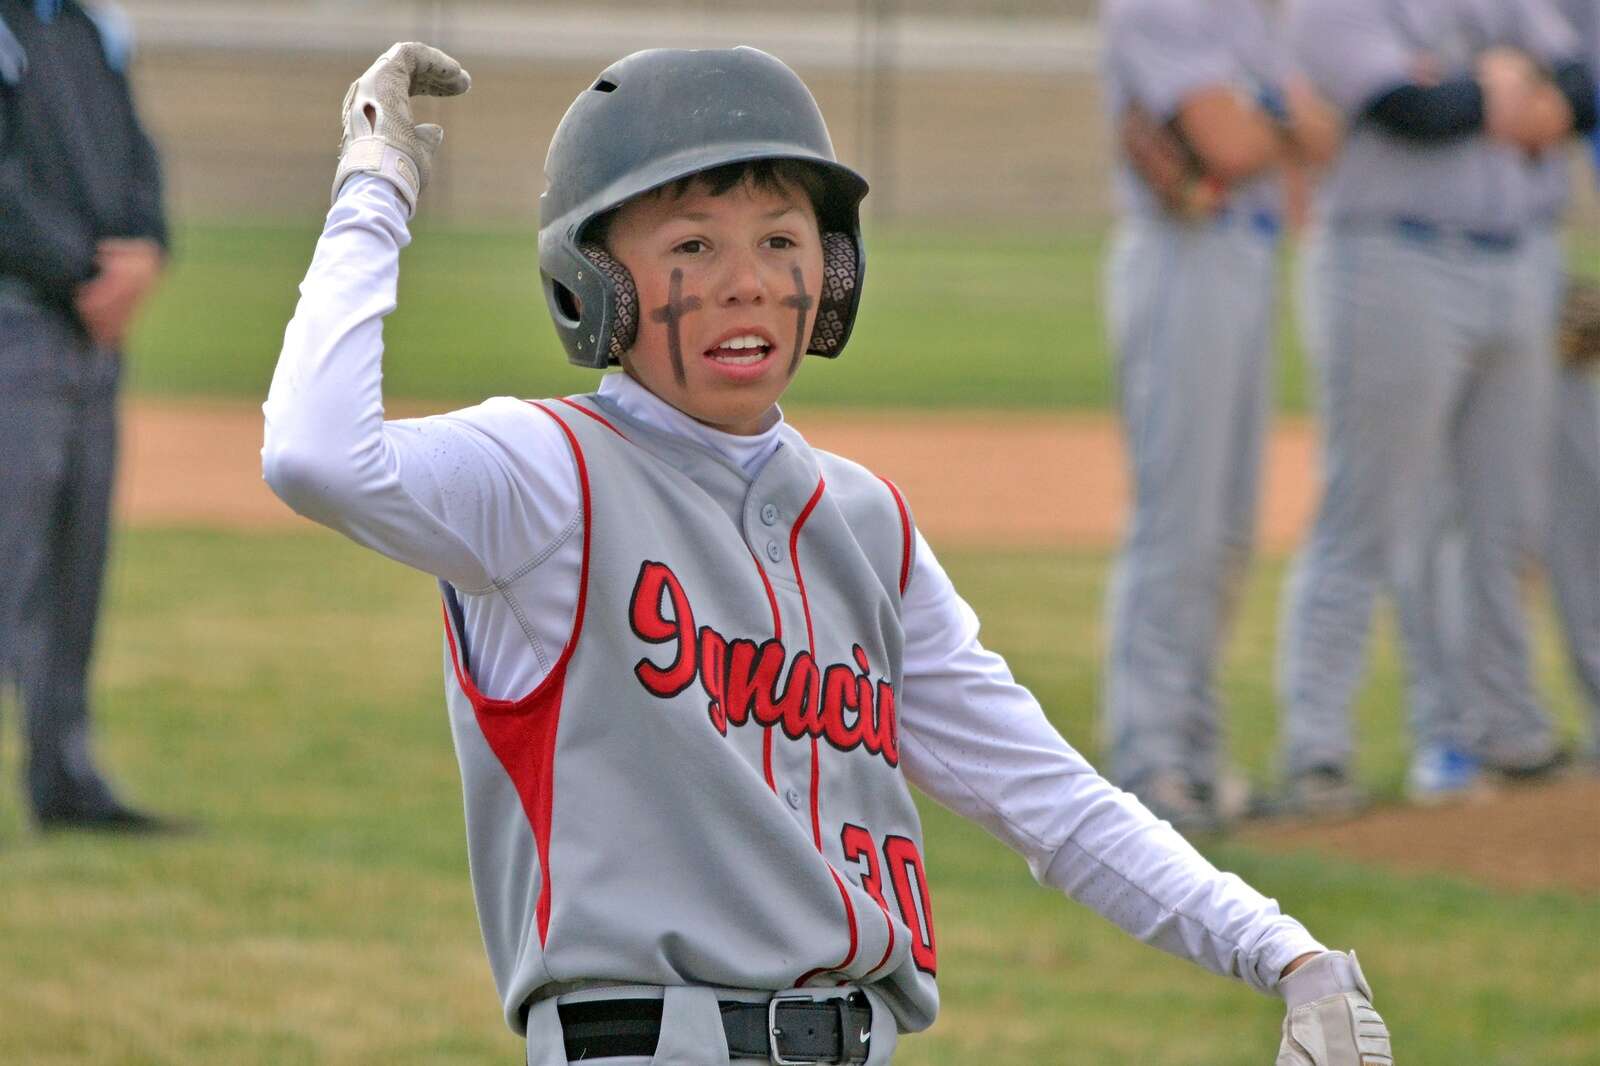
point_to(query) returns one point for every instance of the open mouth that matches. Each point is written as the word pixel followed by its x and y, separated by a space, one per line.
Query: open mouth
pixel 743 349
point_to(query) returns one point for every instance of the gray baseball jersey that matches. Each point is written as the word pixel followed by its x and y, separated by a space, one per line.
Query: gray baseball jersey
pixel 723 717
pixel 1159 52
pixel 1355 50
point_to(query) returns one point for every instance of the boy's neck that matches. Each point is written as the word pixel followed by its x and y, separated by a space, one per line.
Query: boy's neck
pixel 745 451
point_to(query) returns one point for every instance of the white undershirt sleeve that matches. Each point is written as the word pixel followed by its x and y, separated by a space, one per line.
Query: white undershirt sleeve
pixel 470 496
pixel 979 743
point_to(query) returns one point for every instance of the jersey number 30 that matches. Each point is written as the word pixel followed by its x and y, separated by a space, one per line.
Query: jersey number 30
pixel 905 866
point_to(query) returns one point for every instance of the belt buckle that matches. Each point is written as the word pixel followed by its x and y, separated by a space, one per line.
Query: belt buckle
pixel 774 1033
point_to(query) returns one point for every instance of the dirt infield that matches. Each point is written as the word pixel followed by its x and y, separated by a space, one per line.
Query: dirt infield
pixel 1015 480
pixel 1009 480
pixel 1523 839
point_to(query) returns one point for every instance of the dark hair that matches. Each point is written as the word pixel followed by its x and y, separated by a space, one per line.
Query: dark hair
pixel 767 175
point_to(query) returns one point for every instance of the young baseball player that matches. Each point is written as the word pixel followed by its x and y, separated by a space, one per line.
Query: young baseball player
pixel 694 665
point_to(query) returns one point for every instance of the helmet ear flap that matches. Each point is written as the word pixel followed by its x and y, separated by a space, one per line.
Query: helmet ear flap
pixel 841 292
pixel 623 297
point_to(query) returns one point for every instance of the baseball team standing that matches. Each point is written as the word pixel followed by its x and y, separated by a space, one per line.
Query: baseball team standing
pixel 1430 281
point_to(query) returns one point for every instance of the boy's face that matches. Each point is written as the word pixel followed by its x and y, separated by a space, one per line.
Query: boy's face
pixel 727 295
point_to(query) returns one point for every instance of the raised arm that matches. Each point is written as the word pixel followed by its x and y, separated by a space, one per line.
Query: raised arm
pixel 464 496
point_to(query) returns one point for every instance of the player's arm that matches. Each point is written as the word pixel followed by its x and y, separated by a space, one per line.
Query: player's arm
pixel 1188 131
pixel 1167 166
pixel 440 493
pixel 1162 54
pixel 978 743
pixel 1351 57
pixel 1531 106
pixel 1233 137
pixel 1558 67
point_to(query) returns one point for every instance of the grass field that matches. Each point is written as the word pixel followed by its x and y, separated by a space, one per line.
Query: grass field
pixel 948 320
pixel 953 319
pixel 285 691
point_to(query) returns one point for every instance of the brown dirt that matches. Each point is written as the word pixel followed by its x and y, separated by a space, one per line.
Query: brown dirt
pixel 1016 480
pixel 1520 838
pixel 1010 480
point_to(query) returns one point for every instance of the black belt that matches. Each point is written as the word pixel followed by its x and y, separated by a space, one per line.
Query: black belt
pixel 791 1028
pixel 1421 229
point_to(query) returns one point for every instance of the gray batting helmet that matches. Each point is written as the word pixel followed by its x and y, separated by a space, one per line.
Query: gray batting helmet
pixel 664 114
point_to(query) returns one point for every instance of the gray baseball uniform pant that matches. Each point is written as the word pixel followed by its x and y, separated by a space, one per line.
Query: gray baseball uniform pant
pixel 1574 554
pixel 57 456
pixel 1507 726
pixel 1190 313
pixel 1431 351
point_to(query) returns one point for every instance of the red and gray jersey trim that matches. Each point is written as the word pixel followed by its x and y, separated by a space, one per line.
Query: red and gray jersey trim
pixel 816 759
pixel 522 732
pixel 596 415
pixel 906 542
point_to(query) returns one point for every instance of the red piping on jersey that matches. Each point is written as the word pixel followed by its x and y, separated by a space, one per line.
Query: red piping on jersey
pixel 816 761
pixel 522 733
pixel 888 948
pixel 811 643
pixel 906 548
pixel 905 534
pixel 777 634
pixel 850 916
pixel 592 414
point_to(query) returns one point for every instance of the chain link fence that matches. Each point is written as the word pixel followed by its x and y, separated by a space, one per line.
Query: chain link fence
pixel 960 112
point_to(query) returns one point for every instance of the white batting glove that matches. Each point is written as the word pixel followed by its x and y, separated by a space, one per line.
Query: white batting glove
pixel 380 136
pixel 1331 1021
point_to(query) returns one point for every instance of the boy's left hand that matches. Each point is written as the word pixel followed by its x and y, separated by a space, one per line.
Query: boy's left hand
pixel 1331 1021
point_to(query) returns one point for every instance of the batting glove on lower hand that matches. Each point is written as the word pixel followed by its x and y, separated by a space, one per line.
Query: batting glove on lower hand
pixel 380 135
pixel 1331 1021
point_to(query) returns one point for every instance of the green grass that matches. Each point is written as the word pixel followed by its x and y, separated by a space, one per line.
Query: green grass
pixel 285 690
pixel 948 319
pixel 967 318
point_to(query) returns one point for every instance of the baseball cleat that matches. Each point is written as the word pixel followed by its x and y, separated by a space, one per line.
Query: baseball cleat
pixel 112 817
pixel 1321 793
pixel 1549 767
pixel 1180 802
pixel 1442 774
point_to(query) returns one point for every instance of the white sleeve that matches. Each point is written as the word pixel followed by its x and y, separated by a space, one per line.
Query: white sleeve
pixel 979 743
pixel 470 496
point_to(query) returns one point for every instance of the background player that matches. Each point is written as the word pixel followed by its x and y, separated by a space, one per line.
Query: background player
pixel 1510 730
pixel 1205 117
pixel 674 809
pixel 1573 555
pixel 1430 335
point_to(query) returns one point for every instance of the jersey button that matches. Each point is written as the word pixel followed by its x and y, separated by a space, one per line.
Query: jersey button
pixel 792 797
pixel 773 551
pixel 769 513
